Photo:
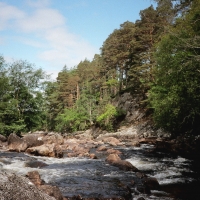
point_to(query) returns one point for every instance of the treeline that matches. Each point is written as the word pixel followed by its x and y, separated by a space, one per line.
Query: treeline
pixel 157 57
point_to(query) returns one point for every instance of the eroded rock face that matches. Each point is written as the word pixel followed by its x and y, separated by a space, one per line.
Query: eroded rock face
pixel 19 188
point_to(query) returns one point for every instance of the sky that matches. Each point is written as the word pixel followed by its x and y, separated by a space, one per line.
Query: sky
pixel 53 33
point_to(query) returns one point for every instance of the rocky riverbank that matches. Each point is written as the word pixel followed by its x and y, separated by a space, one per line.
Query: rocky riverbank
pixel 81 144
pixel 95 144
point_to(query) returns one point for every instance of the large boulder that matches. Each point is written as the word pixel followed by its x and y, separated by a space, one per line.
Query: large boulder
pixel 16 143
pixel 125 165
pixel 35 178
pixel 115 160
pixel 151 183
pixel 111 140
pixel 33 140
pixel 53 137
pixel 49 150
pixel 19 188
pixel 2 138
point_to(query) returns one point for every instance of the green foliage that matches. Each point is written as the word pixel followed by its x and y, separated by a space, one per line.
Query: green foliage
pixel 71 120
pixel 109 116
pixel 175 94
pixel 21 102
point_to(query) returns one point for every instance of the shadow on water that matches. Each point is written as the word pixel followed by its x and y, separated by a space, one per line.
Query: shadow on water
pixel 92 178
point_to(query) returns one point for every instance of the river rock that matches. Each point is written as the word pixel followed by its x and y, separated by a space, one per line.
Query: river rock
pixel 92 156
pixel 3 138
pixel 113 158
pixel 16 143
pixel 113 151
pixel 35 164
pixel 102 148
pixel 151 183
pixel 34 177
pixel 33 140
pixel 53 191
pixel 53 137
pixel 81 150
pixel 19 188
pixel 111 140
pixel 49 150
pixel 125 165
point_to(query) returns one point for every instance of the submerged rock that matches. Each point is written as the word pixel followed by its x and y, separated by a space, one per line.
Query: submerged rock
pixel 35 164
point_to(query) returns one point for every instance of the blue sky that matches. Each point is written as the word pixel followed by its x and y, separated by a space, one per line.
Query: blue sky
pixel 54 33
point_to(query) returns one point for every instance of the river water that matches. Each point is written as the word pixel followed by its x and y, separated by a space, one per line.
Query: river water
pixel 179 177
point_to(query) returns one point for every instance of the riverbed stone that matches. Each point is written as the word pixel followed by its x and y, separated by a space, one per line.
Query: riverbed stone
pixel 49 150
pixel 15 143
pixel 124 165
pixel 35 178
pixel 111 140
pixel 151 183
pixel 33 140
pixel 53 137
pixel 35 164
pixel 113 151
pixel 102 148
pixel 92 156
pixel 113 158
pixel 3 138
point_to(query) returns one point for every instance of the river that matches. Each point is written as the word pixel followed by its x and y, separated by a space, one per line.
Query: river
pixel 179 177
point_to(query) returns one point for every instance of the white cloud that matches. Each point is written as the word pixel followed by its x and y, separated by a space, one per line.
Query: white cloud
pixel 45 29
pixel 8 14
pixel 42 19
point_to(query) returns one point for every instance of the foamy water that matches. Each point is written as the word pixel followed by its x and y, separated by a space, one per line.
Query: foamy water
pixel 167 170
